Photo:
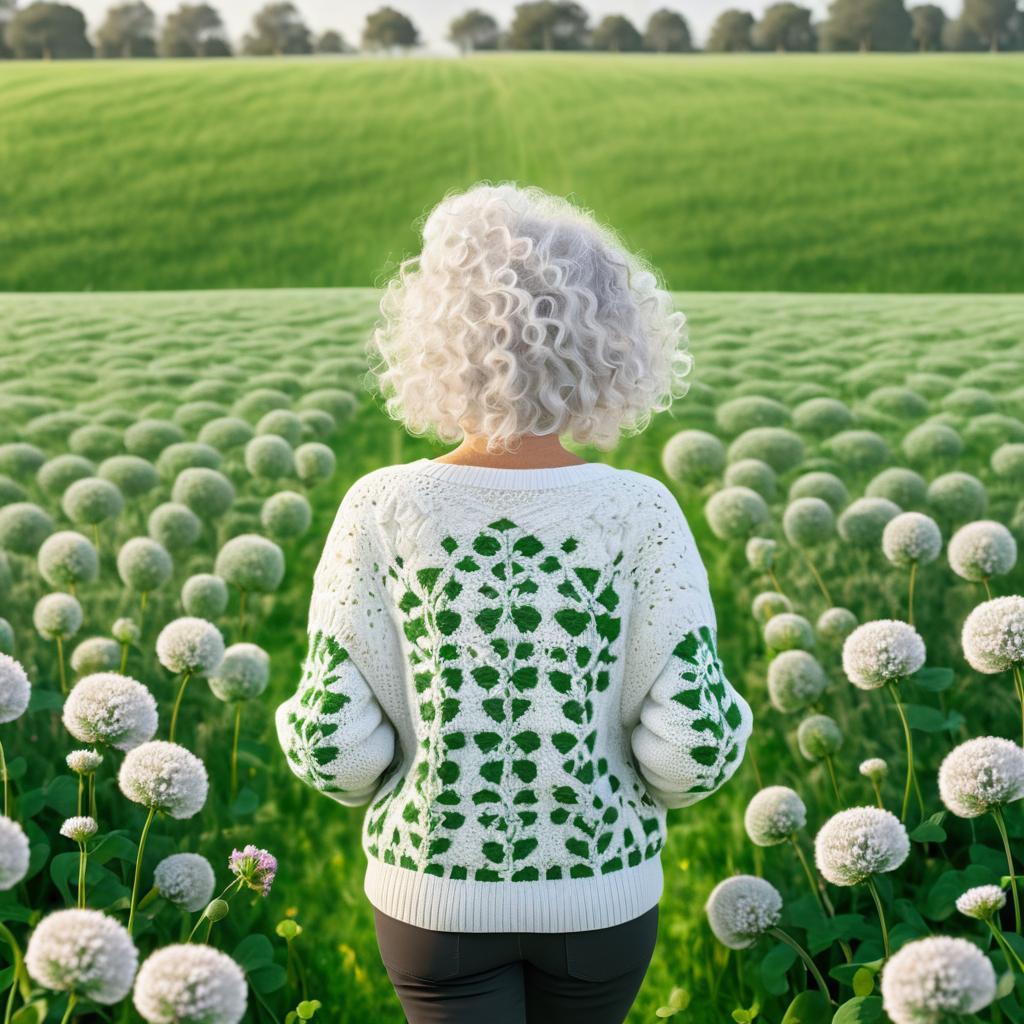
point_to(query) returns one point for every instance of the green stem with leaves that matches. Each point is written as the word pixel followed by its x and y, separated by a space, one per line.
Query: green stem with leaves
pixel 873 889
pixel 138 868
pixel 60 666
pixel 72 999
pixel 878 794
pixel 782 936
pixel 817 579
pixel 1008 951
pixel 911 783
pixel 83 857
pixel 185 677
pixel 835 782
pixel 819 891
pixel 997 814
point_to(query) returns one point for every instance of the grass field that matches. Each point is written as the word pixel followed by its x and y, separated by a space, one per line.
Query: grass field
pixel 116 358
pixel 816 173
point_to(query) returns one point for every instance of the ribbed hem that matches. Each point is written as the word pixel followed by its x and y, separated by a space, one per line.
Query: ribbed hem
pixel 547 905
pixel 512 479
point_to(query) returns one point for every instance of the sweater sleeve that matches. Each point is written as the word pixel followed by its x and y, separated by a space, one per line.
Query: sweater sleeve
pixel 693 724
pixel 333 730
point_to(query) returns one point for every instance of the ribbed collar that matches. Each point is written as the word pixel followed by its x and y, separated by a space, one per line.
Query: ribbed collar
pixel 512 479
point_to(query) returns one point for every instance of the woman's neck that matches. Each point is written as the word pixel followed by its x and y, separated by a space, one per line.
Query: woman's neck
pixel 536 451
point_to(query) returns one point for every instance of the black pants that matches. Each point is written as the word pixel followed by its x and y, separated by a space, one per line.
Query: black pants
pixel 588 977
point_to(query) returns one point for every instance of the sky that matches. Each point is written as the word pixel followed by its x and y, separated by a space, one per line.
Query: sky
pixel 432 16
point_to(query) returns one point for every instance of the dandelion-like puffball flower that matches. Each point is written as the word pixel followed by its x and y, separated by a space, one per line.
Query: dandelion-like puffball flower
pixel 97 654
pixel 874 768
pixel 95 440
pixel 773 815
pixel 1008 462
pixel 957 496
pixel 14 853
pixel 84 952
pixel 734 512
pixel 901 402
pixel 769 603
pixel 693 457
pixel 189 644
pixel 834 625
pixel 79 828
pixel 795 679
pixel 780 447
pixel 182 455
pixel 341 404
pixel 911 538
pixel 860 842
pixel 23 527
pixel 282 423
pixel 286 515
pixel 226 432
pixel 174 526
pixel 981 550
pixel 15 689
pixel 749 411
pixel 66 557
pixel 91 501
pixel 194 415
pixel 314 462
pixel 270 457
pixel 110 709
pixel 19 458
pixel 808 522
pixel 932 442
pixel 938 979
pixel 900 485
pixel 752 473
pixel 822 485
pixel 144 564
pixel 252 563
pixel 83 762
pixel 150 437
pixel 186 880
pixel 205 596
pixel 819 737
pixel 164 776
pixel 10 492
pixel 993 635
pixel 859 449
pixel 822 416
pixel 242 674
pixel 742 908
pixel 207 492
pixel 190 984
pixel 255 867
pixel 982 902
pixel 59 473
pixel 863 521
pixel 880 652
pixel 131 474
pixel 974 401
pixel 981 775
pixel 315 423
pixel 788 631
pixel 125 631
pixel 57 616
pixel 760 552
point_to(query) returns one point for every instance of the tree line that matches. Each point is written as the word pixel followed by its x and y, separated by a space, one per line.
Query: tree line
pixel 50 29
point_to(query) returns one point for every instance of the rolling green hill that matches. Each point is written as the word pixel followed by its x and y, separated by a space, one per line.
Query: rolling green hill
pixel 816 173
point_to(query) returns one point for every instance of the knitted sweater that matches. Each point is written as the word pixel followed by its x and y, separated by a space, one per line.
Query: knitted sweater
pixel 517 669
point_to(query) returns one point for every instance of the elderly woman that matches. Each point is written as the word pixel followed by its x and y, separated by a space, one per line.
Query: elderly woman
pixel 512 651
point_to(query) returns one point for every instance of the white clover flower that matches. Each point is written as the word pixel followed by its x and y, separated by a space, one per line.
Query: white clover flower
pixel 57 616
pixel 934 980
pixel 14 853
pixel 207 492
pixel 755 474
pixel 286 515
pixel 834 625
pixel 760 552
pixel 314 462
pixel 190 645
pixel 993 635
pixel 741 908
pixel 795 679
pixel 981 550
pixel 186 880
pixel 252 563
pixel 79 828
pixel 144 564
pixel 242 674
pixel 85 952
pixel 881 652
pixel 124 631
pixel 165 776
pixel 96 654
pixel 83 762
pixel 190 984
pixel 205 596
pixel 874 768
pixel 860 842
pixel 67 558
pixel 15 689
pixel 773 815
pixel 911 538
pixel 693 456
pixel 110 709
pixel 788 631
pixel 734 512
pixel 982 902
pixel 819 737
pixel 862 522
pixel 981 775
pixel 958 496
pixel 769 603
pixel 269 456
pixel 808 522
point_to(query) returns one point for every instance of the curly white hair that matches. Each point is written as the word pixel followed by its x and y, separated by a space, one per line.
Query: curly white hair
pixel 524 315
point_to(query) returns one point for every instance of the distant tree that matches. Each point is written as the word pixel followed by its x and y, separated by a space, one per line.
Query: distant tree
pixel 618 34
pixel 388 29
pixel 194 30
pixel 668 32
pixel 7 9
pixel 926 24
pixel 785 27
pixel 958 36
pixel 548 26
pixel 867 25
pixel 129 30
pixel 48 31
pixel 732 32
pixel 332 41
pixel 991 19
pixel 474 30
pixel 277 29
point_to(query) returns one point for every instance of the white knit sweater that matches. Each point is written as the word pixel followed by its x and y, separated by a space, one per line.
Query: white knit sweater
pixel 518 670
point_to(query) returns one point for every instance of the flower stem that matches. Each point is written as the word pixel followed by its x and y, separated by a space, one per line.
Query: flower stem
pixel 92 795
pixel 872 888
pixel 83 857
pixel 3 772
pixel 775 582
pixel 997 813
pixel 910 595
pixel 817 579
pixel 1008 951
pixel 234 749
pixel 72 999
pixel 911 779
pixel 878 794
pixel 241 615
pixel 988 589
pixel 1018 682
pixel 185 676
pixel 124 658
pixel 143 598
pixel 60 665
pixel 779 934
pixel 81 793
pixel 835 782
pixel 138 868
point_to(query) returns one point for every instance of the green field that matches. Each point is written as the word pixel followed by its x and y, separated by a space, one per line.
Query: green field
pixel 815 173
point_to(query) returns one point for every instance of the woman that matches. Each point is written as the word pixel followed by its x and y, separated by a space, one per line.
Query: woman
pixel 513 651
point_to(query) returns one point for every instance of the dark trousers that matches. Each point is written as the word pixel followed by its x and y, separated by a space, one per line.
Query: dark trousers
pixel 588 977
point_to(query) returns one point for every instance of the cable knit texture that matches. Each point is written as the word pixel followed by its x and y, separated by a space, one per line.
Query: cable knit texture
pixel 517 670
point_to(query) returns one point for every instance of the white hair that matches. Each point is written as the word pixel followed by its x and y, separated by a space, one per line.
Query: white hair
pixel 524 315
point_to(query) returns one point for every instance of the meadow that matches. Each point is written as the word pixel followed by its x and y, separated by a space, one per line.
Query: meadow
pixel 749 173
pixel 932 385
